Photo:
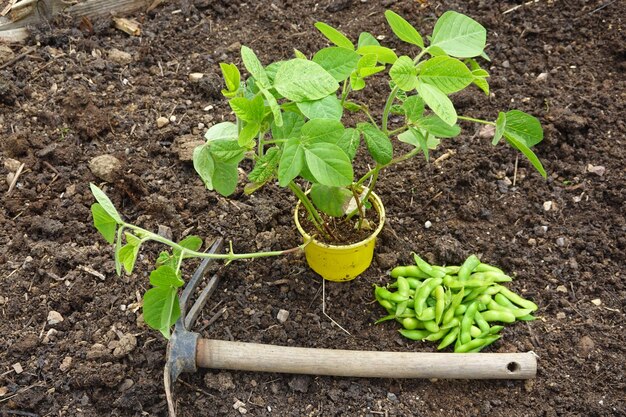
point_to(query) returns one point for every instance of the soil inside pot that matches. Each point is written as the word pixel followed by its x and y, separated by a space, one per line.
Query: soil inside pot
pixel 344 231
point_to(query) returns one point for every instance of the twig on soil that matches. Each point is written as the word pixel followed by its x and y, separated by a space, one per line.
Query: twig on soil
pixel 214 318
pixel 515 171
pixel 512 9
pixel 324 308
pixel 201 391
pixel 15 178
pixel 18 57
pixel 39 384
pixel 602 7
pixel 18 413
pixel 278 282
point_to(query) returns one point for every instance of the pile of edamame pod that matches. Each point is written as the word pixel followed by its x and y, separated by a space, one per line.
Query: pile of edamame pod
pixel 452 304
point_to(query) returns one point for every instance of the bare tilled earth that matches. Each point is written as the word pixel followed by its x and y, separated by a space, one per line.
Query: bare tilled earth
pixel 89 90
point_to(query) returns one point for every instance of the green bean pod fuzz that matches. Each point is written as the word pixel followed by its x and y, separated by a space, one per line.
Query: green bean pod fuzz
pixel 452 305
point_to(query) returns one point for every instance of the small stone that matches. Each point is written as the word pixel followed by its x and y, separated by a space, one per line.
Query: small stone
pixel 66 364
pixel 487 131
pixel 17 367
pixel 532 242
pixel 392 397
pixel 208 108
pixel 120 57
pixel 596 169
pixel 529 384
pixel 3 391
pixel 165 231
pixel 596 302
pixel 50 335
pixel 97 351
pixel 3 300
pixel 10 178
pixel 194 77
pixel 586 346
pixel 6 54
pixel 560 315
pixel 106 167
pixel 125 345
pixel 161 122
pixel 561 288
pixel 238 404
pixel 560 242
pixel 282 315
pixel 547 206
pixel 12 165
pixel 54 317
pixel 428 224
pixel 542 77
pixel 506 64
pixel 172 119
pixel 126 385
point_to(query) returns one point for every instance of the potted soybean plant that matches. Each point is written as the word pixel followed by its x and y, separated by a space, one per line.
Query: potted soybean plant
pixel 290 119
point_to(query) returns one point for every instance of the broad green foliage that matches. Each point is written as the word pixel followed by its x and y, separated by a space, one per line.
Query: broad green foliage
pixel 291 113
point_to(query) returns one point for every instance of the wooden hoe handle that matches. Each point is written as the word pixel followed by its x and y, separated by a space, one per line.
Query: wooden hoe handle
pixel 255 357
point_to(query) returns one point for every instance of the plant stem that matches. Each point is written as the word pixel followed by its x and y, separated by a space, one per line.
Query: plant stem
pixel 313 214
pixel 471 119
pixel 359 207
pixel 227 256
pixel 398 130
pixel 345 91
pixel 261 144
pixel 366 111
pixel 388 104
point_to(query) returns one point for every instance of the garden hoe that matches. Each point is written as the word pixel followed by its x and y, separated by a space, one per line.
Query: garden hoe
pixel 186 352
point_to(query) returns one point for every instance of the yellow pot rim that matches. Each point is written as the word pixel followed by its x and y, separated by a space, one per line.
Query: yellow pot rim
pixel 378 206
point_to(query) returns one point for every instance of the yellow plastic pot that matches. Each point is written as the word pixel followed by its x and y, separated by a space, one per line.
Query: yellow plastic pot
pixel 342 262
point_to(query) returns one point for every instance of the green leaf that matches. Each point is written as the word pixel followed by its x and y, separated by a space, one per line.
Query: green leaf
pixel 248 134
pixel 482 84
pixel 204 165
pixel 421 140
pixel 292 124
pixel 369 71
pixel 271 70
pixel 103 222
pixel 356 82
pixel 301 80
pixel 299 54
pixel 523 127
pixel 291 162
pixel 447 74
pixel 225 177
pixel 438 102
pixel 367 61
pixel 334 35
pixel 193 243
pixel 254 66
pixel 232 78
pixel 351 106
pixel 349 142
pixel 383 55
pixel 224 130
pixel 165 276
pixel 417 138
pixel 413 107
pixel 459 35
pixel 403 29
pixel 521 146
pixel 116 254
pixel 331 200
pixel 105 203
pixel 437 127
pixel 322 130
pixel 249 110
pixel 161 309
pixel 274 107
pixel 500 126
pixel 366 38
pixel 265 167
pixel 377 142
pixel 329 164
pixel 404 73
pixel 328 107
pixel 128 256
pixel 339 62
pixel 227 151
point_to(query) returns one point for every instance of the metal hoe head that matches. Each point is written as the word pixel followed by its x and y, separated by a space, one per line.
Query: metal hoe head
pixel 182 347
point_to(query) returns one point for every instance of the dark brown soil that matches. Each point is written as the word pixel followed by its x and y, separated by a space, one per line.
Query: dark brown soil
pixel 69 101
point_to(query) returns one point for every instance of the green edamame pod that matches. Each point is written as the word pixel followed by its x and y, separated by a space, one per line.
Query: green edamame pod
pixel 469 283
pixel 460 310
pixel 382 293
pixel 502 316
pixel 491 276
pixel 479 344
pixel 414 334
pixel 518 312
pixel 403 291
pixel 495 329
pixel 468 266
pixel 451 269
pixel 427 314
pixel 414 283
pixel 433 337
pixel 475 293
pixel 528 317
pixel 396 297
pixel 457 299
pixel 449 339
pixel 455 322
pixel 476 332
pixel 516 299
pixel 427 268
pixel 387 305
pixel 424 291
pixel 431 326
pixel 408 271
pixel 492 290
pixel 481 267
pixel 481 322
pixel 467 321
pixel 504 302
pixel 410 323
pixel 440 296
